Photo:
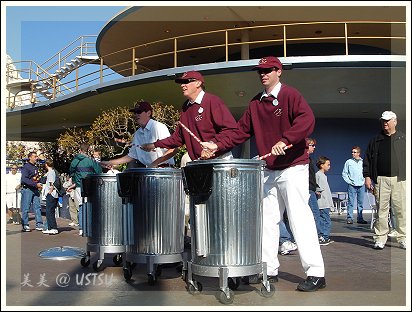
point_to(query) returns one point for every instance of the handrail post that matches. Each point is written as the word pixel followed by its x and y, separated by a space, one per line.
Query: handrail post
pixel 81 46
pixel 133 61
pixel 175 53
pixel 226 46
pixel 284 40
pixel 32 97
pixel 346 39
pixel 54 86
pixel 101 69
pixel 77 78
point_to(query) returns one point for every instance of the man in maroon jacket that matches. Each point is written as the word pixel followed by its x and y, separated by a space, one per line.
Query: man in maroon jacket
pixel 205 116
pixel 279 117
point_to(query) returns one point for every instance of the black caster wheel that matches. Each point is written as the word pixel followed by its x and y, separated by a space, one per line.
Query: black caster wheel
pixel 233 282
pixel 118 259
pixel 127 273
pixel 97 266
pixel 151 280
pixel 85 262
pixel 194 290
pixel 224 299
pixel 267 294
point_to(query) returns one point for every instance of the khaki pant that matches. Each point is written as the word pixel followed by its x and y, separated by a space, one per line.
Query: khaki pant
pixel 74 210
pixel 390 193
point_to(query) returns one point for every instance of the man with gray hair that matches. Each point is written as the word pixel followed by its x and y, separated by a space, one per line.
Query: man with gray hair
pixel 384 169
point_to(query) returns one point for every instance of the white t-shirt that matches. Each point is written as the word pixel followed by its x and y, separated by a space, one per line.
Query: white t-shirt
pixel 12 180
pixel 50 178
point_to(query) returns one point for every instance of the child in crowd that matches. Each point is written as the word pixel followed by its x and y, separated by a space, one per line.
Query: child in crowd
pixel 325 201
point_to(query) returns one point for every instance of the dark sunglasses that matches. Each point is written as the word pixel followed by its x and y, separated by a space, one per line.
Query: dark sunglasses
pixel 266 70
pixel 186 81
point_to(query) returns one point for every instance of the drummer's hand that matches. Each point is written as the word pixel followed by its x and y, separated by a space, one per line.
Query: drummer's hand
pixel 209 145
pixel 106 164
pixel 278 149
pixel 206 154
pixel 149 147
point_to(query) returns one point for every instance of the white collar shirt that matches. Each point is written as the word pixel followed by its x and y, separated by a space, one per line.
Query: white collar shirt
pixel 153 131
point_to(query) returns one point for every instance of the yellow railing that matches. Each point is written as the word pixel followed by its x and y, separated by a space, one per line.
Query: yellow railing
pixel 339 38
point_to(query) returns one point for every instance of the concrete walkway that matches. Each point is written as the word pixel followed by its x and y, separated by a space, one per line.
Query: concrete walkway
pixel 356 275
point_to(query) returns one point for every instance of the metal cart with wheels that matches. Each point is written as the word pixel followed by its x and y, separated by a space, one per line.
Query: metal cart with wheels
pixel 102 219
pixel 153 219
pixel 226 223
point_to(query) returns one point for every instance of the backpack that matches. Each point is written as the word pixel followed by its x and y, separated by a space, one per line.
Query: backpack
pixel 58 184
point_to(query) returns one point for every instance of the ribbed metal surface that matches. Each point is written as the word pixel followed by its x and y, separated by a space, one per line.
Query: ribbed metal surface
pixel 233 214
pixel 157 209
pixel 103 211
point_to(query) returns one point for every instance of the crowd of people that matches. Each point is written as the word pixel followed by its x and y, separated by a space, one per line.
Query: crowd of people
pixel 297 200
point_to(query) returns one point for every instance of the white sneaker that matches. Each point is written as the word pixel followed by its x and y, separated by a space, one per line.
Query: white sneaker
pixel 72 224
pixel 393 233
pixel 378 245
pixel 287 247
pixel 80 232
pixel 53 231
pixel 46 231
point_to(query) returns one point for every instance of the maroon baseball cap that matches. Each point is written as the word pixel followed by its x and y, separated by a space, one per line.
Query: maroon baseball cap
pixel 268 62
pixel 190 75
pixel 140 107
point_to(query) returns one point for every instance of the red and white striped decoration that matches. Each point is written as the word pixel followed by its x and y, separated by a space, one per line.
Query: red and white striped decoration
pixel 268 154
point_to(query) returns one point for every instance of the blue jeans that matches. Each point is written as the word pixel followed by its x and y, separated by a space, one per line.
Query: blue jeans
pixel 355 192
pixel 313 204
pixel 29 196
pixel 80 216
pixel 325 223
pixel 51 204
pixel 285 233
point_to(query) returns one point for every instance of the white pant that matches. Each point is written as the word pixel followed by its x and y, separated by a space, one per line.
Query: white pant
pixel 289 188
pixel 13 200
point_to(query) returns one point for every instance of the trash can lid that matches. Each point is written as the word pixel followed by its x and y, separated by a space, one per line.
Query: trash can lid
pixel 62 253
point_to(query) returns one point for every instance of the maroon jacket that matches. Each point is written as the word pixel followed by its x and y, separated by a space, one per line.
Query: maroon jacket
pixel 211 124
pixel 291 121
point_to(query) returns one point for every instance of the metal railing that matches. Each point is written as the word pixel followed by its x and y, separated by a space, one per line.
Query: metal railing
pixel 340 38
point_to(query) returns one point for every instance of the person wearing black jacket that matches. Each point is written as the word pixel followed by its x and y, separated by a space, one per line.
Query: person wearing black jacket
pixel 385 174
pixel 30 193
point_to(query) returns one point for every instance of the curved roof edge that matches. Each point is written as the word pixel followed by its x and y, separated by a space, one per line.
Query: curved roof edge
pixel 113 21
pixel 289 63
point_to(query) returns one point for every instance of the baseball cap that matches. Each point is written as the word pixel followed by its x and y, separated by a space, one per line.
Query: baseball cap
pixel 388 115
pixel 190 75
pixel 268 62
pixel 140 107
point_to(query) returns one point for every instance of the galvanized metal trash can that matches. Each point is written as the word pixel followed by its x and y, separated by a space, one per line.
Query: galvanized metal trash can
pixel 226 223
pixel 153 219
pixel 102 219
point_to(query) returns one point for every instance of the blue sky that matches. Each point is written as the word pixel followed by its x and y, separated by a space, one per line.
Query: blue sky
pixel 38 32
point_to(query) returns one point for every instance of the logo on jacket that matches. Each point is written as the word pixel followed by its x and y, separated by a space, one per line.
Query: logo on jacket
pixel 278 112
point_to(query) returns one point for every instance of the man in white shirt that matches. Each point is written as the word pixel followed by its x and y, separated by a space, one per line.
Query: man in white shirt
pixel 150 130
pixel 13 195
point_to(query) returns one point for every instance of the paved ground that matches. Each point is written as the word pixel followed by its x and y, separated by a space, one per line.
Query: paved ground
pixel 356 275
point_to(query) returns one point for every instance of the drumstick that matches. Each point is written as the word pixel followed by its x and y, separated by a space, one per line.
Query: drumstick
pixel 268 154
pixel 190 132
